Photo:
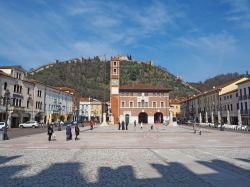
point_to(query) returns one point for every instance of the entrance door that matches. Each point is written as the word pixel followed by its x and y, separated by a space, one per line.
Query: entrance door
pixel 143 117
pixel 158 117
pixel 127 118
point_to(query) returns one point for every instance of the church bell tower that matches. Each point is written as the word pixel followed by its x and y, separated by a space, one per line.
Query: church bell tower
pixel 114 87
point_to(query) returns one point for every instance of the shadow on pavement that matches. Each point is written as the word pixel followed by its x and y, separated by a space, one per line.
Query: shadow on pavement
pixel 72 174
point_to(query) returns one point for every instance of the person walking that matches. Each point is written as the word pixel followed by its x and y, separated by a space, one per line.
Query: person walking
pixel 141 125
pixel 135 123
pixel 119 125
pixel 91 124
pixel 50 131
pixel 77 131
pixel 68 133
pixel 123 125
pixel 126 125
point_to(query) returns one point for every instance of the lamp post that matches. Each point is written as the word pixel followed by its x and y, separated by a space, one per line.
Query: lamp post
pixel 6 101
pixel 59 108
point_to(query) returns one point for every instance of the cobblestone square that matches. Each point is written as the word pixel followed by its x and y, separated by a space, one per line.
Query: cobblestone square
pixel 164 156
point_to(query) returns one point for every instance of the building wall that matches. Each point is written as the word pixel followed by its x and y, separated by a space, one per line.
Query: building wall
pixel 244 101
pixel 134 110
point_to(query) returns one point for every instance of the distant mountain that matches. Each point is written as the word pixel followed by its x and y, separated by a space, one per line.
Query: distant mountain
pixel 216 81
pixel 87 76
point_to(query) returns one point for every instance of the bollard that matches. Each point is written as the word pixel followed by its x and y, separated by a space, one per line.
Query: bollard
pixel 152 127
pixel 200 133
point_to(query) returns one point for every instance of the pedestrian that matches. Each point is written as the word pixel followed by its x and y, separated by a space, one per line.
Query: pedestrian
pixel 68 133
pixel 77 131
pixel 50 131
pixel 123 125
pixel 91 124
pixel 135 123
pixel 119 125
pixel 141 125
pixel 126 125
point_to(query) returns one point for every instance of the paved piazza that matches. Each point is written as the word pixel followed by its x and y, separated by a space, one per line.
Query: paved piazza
pixel 164 156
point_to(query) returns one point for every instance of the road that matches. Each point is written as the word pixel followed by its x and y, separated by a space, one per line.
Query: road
pixel 19 132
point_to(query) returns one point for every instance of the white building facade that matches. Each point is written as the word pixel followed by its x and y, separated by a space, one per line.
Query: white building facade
pixel 244 101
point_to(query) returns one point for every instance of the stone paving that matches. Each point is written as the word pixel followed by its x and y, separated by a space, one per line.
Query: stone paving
pixel 164 156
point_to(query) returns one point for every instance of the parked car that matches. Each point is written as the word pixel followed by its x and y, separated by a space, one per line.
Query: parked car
pixel 190 122
pixel 33 124
pixel 2 125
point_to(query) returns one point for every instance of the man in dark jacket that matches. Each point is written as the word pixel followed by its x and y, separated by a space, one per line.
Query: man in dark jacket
pixel 50 131
pixel 123 125
pixel 77 131
pixel 68 133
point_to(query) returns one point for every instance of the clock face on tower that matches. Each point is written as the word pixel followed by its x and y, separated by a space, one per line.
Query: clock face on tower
pixel 115 82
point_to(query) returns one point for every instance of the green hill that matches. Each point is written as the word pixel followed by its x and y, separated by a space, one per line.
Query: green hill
pixel 87 77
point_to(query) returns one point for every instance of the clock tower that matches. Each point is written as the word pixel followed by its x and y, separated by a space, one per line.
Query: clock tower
pixel 114 87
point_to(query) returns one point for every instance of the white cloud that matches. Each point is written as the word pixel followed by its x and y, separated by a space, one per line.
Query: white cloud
pixel 239 12
pixel 221 43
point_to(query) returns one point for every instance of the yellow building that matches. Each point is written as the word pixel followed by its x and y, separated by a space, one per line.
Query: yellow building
pixel 176 104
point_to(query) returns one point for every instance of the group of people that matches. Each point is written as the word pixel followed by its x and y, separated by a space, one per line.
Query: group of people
pixel 68 132
pixel 121 125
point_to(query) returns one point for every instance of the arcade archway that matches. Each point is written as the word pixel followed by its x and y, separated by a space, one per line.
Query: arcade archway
pixel 158 117
pixel 143 117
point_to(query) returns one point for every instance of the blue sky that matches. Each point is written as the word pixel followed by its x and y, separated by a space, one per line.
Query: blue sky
pixel 195 39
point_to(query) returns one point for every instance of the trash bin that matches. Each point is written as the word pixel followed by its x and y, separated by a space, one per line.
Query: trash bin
pixel 1 135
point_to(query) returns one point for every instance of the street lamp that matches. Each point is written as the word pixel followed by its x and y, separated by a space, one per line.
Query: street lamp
pixel 6 101
pixel 59 108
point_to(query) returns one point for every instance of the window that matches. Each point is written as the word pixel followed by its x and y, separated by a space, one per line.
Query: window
pixel 130 104
pixel 5 85
pixel 123 104
pixel 146 94
pixel 139 104
pixel 246 106
pixel 240 92
pixel 236 94
pixel 115 72
pixel 249 90
pixel 28 91
pixel 162 104
pixel 28 104
pixel 142 103
pixel 231 107
pixel 230 96
pixel 245 91
pixel 20 102
pixel 39 93
pixel 154 104
pixel 20 90
pixel 237 106
pixel 114 63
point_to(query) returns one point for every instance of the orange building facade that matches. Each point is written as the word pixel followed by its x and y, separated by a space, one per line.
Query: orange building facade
pixel 138 102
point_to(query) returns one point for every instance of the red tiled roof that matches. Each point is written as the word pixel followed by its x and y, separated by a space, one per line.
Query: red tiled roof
pixel 142 87
pixel 84 99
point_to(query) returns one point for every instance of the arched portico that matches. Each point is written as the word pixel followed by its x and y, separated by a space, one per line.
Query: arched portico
pixel 158 117
pixel 143 117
